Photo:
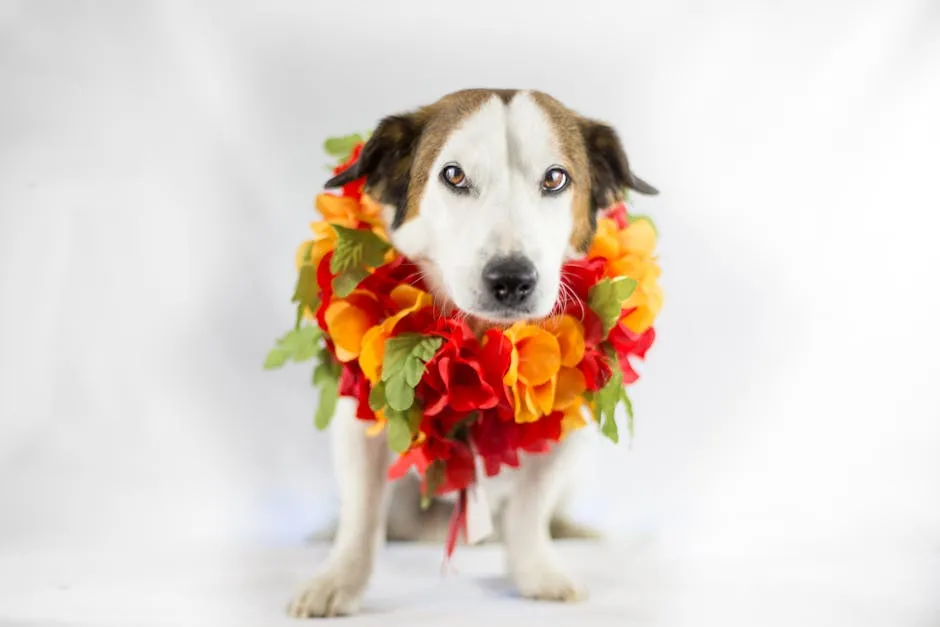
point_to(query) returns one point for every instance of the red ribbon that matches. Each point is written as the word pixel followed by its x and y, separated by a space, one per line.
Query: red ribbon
pixel 458 524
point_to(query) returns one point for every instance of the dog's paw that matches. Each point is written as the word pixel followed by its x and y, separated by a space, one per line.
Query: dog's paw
pixel 548 584
pixel 333 593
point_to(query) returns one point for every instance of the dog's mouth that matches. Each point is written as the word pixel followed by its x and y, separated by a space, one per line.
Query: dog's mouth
pixel 482 318
pixel 501 317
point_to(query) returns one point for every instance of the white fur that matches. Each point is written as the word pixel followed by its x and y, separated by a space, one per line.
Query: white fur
pixel 505 149
pixel 360 463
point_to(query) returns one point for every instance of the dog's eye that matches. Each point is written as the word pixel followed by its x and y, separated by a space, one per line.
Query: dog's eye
pixel 556 179
pixel 454 176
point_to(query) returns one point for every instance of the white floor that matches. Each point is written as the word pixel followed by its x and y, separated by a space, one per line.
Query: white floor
pixel 635 584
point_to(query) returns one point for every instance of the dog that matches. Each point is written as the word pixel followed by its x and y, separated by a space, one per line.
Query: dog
pixel 488 191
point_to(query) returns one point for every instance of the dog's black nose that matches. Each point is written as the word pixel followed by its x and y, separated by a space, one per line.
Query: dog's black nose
pixel 510 280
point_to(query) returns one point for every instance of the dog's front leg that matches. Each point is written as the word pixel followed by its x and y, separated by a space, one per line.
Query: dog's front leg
pixel 360 462
pixel 533 562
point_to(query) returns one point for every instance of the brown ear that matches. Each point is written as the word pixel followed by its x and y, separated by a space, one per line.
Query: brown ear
pixel 610 170
pixel 385 162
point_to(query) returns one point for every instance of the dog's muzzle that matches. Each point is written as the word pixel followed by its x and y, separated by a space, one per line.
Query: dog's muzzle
pixel 510 281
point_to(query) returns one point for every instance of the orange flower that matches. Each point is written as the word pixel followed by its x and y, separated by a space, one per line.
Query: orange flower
pixel 342 210
pixel 348 320
pixel 349 212
pixel 630 252
pixel 408 299
pixel 370 211
pixel 569 388
pixel 542 372
pixel 533 367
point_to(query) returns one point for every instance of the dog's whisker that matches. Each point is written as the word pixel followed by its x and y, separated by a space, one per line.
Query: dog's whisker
pixel 568 295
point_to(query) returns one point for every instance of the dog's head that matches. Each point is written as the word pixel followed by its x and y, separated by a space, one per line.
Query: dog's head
pixel 490 191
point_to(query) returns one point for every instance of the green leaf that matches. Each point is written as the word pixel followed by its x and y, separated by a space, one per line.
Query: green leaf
pixel 399 348
pixel 427 348
pixel 399 433
pixel 609 428
pixel 433 478
pixel 609 398
pixel 329 393
pixel 345 282
pixel 299 344
pixel 276 358
pixel 623 287
pixel 607 297
pixel 629 406
pixel 305 352
pixel 399 394
pixel 356 251
pixel 341 147
pixel 413 370
pixel 326 366
pixel 357 247
pixel 323 373
pixel 326 380
pixel 377 399
pixel 306 292
pixel 403 366
pixel 414 420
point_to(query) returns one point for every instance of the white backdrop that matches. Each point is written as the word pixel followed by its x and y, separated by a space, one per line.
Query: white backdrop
pixel 158 164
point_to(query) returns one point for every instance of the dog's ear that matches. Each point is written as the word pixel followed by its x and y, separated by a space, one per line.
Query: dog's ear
pixel 385 162
pixel 610 170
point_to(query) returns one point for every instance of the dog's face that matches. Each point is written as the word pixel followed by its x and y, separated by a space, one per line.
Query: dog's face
pixel 489 191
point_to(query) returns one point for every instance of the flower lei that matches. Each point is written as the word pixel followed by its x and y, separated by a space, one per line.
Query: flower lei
pixel 444 394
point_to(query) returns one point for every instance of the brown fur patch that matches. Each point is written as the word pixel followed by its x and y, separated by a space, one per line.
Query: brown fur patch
pixel 567 126
pixel 443 117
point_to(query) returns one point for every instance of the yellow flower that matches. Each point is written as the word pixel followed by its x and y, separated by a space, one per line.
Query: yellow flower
pixel 630 252
pixel 573 418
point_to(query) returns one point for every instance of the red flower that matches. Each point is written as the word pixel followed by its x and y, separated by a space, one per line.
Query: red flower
pixel 628 343
pixel 354 384
pixel 325 283
pixel 387 277
pixel 618 213
pixel 456 377
pixel 499 442
pixel 595 368
pixel 459 465
pixel 495 357
pixel 460 470
pixel 353 188
pixel 580 275
pixel 465 380
pixel 416 458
